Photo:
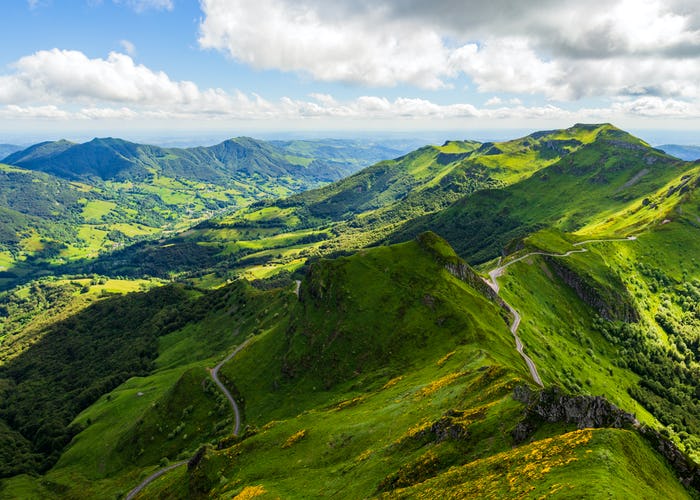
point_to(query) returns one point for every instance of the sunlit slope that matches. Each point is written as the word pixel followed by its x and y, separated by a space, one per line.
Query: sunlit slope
pixel 620 319
pixel 393 373
pixel 364 208
pixel 63 202
pixel 616 172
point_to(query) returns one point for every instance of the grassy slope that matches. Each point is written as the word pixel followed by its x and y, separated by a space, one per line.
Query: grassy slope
pixel 352 391
pixel 366 207
pixel 108 193
pixel 320 401
pixel 656 276
pixel 613 173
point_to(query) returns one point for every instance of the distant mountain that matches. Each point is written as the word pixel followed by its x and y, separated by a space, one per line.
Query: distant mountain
pixel 687 153
pixel 238 158
pixel 63 200
pixel 117 159
pixel 367 206
pixel 6 149
pixel 601 177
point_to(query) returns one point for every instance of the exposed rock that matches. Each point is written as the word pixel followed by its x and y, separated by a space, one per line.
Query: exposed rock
pixel 627 145
pixel 687 470
pixel 551 405
pixel 611 303
pixel 452 426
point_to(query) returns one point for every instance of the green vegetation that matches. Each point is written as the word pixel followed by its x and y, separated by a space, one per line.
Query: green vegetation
pixel 390 371
pixel 601 185
pixel 357 211
pixel 63 202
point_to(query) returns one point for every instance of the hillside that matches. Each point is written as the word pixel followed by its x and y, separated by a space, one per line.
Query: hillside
pixel 357 211
pixel 615 172
pixel 393 373
pixel 687 153
pixel 240 158
pixel 565 364
pixel 69 201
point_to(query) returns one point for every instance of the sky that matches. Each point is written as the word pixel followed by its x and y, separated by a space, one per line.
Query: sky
pixel 188 68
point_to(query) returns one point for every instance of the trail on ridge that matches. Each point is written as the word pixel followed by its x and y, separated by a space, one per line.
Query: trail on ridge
pixel 494 274
pixel 214 372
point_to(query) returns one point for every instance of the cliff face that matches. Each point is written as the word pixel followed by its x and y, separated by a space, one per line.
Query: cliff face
pixel 444 254
pixel 687 470
pixel 611 303
pixel 551 405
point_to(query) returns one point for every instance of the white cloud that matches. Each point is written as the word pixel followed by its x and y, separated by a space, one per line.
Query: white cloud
pixel 143 5
pixel 294 36
pixel 561 50
pixel 67 85
pixel 13 111
pixel 68 75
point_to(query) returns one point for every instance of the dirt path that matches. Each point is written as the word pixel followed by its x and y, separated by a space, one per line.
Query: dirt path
pixel 214 372
pixel 493 283
pixel 152 478
pixel 215 376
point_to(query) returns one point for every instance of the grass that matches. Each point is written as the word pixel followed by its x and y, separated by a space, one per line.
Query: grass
pixel 580 464
pixel 94 210
pixel 389 377
pixel 392 377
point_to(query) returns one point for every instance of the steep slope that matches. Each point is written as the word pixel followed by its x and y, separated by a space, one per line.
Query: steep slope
pixel 614 172
pixel 359 210
pixel 393 373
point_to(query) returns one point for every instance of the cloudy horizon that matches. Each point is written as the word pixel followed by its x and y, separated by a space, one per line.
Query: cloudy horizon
pixel 169 66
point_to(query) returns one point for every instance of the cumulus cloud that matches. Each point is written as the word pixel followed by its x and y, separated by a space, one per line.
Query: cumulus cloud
pixel 300 36
pixel 562 50
pixel 60 75
pixel 68 85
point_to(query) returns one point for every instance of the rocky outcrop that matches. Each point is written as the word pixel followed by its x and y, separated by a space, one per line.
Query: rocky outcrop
pixel 551 405
pixel 612 303
pixel 687 470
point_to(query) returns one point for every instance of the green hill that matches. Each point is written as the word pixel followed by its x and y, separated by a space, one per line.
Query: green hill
pixel 240 158
pixel 388 371
pixel 614 172
pixel 359 210
pixel 394 373
pixel 67 201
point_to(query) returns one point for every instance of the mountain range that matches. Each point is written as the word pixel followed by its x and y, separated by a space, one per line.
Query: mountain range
pixel 685 152
pixel 63 201
pixel 472 320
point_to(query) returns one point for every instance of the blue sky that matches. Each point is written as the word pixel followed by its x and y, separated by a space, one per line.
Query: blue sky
pixel 138 68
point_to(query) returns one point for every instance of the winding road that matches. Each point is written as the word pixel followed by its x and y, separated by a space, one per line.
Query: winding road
pixel 493 283
pixel 215 376
pixel 214 372
pixel 153 477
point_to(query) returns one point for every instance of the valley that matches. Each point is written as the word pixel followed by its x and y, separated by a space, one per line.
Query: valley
pixel 512 319
pixel 64 202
